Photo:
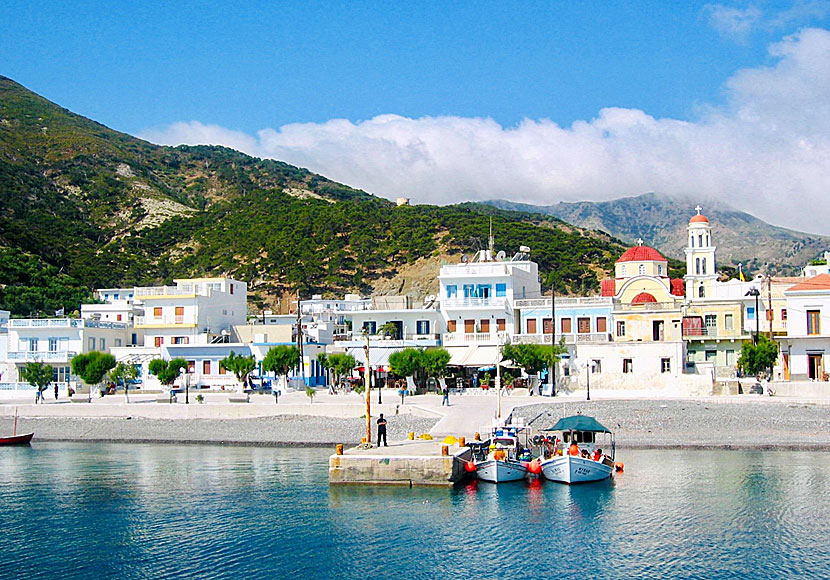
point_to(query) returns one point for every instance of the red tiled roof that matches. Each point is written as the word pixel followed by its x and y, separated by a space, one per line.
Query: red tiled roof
pixel 678 288
pixel 641 254
pixel 609 287
pixel 643 297
pixel 820 282
pixel 698 219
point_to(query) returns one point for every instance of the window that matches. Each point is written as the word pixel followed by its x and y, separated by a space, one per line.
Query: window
pixel 660 270
pixel 118 317
pixel 370 327
pixel 700 240
pixel 222 370
pixel 642 270
pixel 179 314
pixel 565 324
pixel 205 367
pixel 32 346
pixel 783 314
pixel 813 322
pixel 620 328
pixel 692 241
pixel 697 265
pixel 665 365
pixel 483 291
pixel 91 343
pixel 730 358
pixel 701 292
pixel 157 312
pixel 597 366
pixel 501 290
pixel 622 270
pixel 602 324
pixel 628 365
pixel 452 291
pixel 728 322
pixel 422 326
pixel 750 313
pixel 159 340
pixel 583 325
pixel 711 322
pixel 117 342
pixel 191 366
pixel 451 325
pixel 231 287
pixel 181 340
pixel 53 345
pixel 103 343
pixel 469 290
pixel 484 325
pixel 531 326
pixel 501 324
pixel 547 326
pixel 769 314
pixel 703 265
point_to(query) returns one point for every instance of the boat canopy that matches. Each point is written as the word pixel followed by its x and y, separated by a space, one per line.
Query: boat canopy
pixel 578 423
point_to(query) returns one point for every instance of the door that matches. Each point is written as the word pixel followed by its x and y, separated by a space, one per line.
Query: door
pixel 484 324
pixel 469 326
pixel 583 325
pixel 815 366
pixel 657 330
pixel 451 325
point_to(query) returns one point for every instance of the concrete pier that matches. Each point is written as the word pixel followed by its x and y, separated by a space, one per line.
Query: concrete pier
pixel 401 463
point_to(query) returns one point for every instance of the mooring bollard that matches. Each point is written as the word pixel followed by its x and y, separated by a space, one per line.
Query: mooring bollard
pixel 462 441
pixel 445 450
pixel 339 449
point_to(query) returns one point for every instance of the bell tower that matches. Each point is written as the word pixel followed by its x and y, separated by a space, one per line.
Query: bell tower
pixel 701 268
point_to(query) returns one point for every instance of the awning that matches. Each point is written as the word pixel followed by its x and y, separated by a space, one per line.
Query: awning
pixel 578 423
pixel 473 356
pixel 378 356
pixel 206 351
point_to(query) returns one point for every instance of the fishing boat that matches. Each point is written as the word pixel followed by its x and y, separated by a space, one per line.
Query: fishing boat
pixel 16 439
pixel 502 461
pixel 575 455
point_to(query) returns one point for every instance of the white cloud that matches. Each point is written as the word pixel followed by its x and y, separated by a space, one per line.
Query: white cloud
pixel 767 151
pixel 736 23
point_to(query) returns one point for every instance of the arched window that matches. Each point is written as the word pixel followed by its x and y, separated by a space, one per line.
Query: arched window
pixel 697 265
pixel 660 270
pixel 622 270
pixel 703 268
pixel 700 291
pixel 707 240
pixel 642 270
pixel 700 240
pixel 692 241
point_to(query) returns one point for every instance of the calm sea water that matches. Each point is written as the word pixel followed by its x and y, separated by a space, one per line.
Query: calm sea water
pixel 141 511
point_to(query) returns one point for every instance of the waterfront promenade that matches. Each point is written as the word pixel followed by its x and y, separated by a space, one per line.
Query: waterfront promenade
pixel 639 418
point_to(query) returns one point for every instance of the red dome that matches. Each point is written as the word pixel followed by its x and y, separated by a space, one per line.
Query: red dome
pixel 641 254
pixel 643 297
pixel 698 219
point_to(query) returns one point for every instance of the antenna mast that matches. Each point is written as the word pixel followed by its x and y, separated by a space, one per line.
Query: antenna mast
pixel 491 242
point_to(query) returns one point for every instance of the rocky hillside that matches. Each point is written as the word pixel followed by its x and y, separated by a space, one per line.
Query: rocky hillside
pixel 661 222
pixel 83 206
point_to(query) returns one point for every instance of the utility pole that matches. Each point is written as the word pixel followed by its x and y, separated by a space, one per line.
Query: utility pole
pixel 552 369
pixel 771 315
pixel 300 337
pixel 368 389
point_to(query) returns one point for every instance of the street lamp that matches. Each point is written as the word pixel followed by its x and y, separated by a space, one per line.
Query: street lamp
pixel 755 292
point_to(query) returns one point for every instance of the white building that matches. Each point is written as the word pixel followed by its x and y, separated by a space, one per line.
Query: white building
pixel 807 341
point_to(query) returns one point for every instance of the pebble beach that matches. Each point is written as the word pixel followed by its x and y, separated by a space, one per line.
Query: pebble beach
pixel 744 422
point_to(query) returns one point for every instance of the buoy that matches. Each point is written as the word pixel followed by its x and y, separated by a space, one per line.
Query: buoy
pixel 535 467
pixel 411 435
pixel 469 466
pixel 619 466
pixel 450 440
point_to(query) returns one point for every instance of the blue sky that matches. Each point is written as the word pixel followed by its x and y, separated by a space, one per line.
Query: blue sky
pixel 568 92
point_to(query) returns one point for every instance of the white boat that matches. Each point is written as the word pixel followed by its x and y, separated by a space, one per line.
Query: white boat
pixel 577 437
pixel 502 463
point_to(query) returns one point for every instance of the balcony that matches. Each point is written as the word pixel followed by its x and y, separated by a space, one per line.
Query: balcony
pixel 458 338
pixel 570 338
pixel 470 302
pixel 18 323
pixel 27 356
pixel 564 301
pixel 162 321
pixel 380 340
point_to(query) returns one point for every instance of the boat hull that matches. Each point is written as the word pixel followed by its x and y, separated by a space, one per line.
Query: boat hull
pixel 498 471
pixel 570 469
pixel 24 439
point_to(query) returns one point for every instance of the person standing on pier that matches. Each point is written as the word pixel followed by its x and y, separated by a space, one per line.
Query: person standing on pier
pixel 446 399
pixel 382 430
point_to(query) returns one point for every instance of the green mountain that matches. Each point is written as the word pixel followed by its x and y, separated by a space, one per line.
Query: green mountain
pixel 83 207
pixel 661 222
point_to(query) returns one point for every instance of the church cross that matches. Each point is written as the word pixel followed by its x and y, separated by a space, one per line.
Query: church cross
pixel 697 209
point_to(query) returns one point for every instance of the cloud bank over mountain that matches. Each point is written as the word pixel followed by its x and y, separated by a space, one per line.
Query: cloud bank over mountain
pixel 766 151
